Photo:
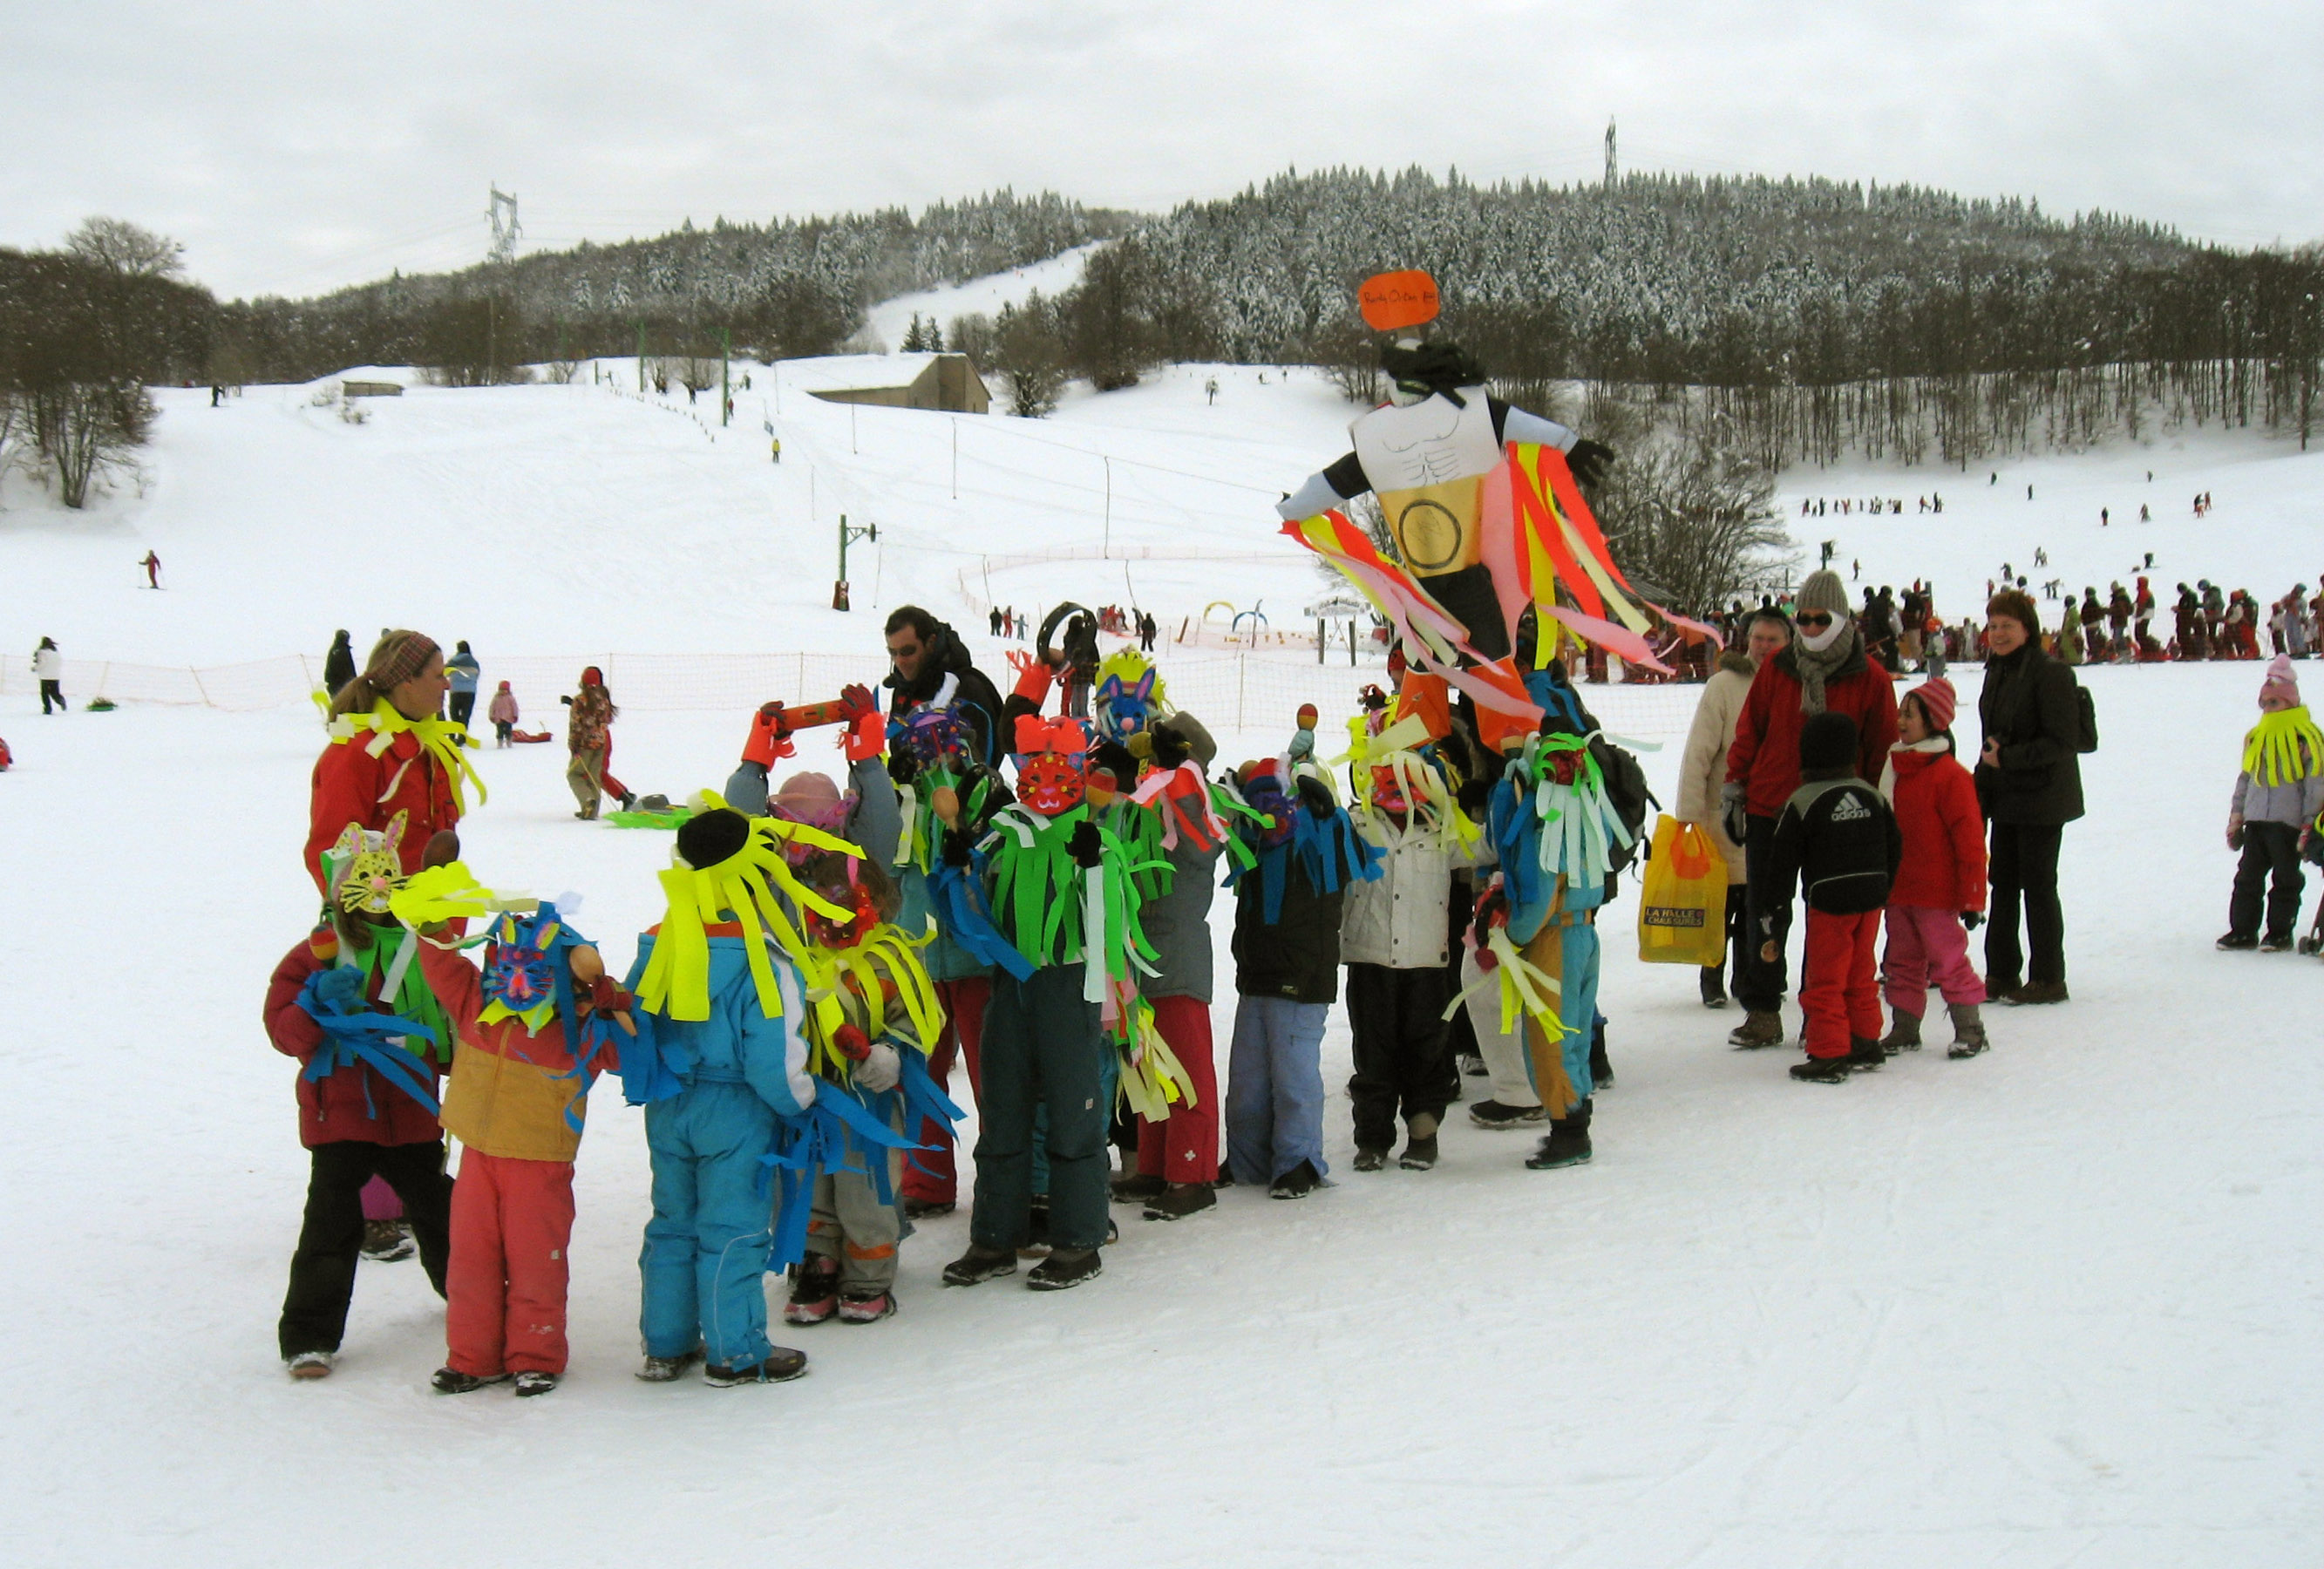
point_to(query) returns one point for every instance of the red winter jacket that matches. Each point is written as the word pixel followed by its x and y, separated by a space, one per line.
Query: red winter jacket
pixel 1766 757
pixel 331 1109
pixel 352 785
pixel 1944 833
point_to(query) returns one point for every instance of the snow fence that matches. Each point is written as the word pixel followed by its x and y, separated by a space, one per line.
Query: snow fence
pixel 1228 692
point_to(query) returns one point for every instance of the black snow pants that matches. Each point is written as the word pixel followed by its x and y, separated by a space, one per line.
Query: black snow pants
pixel 323 1270
pixel 1403 1049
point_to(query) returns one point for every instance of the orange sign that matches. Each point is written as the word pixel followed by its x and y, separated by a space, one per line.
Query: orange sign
pixel 1389 301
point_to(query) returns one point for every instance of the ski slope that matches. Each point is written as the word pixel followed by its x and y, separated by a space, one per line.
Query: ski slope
pixel 2056 1305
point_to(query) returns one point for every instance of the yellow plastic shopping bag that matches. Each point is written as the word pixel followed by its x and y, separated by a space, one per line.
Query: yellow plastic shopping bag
pixel 1682 910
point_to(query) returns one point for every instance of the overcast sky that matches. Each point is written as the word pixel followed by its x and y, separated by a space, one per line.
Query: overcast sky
pixel 296 147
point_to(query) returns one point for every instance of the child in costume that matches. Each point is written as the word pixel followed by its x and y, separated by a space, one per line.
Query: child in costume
pixel 870 1009
pixel 341 1003
pixel 1393 939
pixel 1939 895
pixel 1837 841
pixel 1042 889
pixel 2278 793
pixel 1533 944
pixel 721 1064
pixel 534 1028
pixel 502 712
pixel 1300 853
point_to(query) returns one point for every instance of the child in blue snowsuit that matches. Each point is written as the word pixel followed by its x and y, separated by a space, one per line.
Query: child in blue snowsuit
pixel 741 1073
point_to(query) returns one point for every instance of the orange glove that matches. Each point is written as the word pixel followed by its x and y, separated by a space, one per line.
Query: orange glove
pixel 770 736
pixel 867 738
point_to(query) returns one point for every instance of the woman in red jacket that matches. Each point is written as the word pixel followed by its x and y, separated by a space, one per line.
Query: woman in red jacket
pixel 1939 894
pixel 389 753
pixel 1824 670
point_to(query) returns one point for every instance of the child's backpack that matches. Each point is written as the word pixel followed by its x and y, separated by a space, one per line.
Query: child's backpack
pixel 1627 793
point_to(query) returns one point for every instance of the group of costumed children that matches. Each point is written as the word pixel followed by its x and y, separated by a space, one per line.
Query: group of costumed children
pixel 791 1048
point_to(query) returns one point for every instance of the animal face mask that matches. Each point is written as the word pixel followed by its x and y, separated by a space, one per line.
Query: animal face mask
pixel 521 961
pixel 1051 758
pixel 366 871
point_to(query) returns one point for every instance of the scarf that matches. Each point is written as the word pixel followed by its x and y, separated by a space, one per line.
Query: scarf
pixel 439 738
pixel 1934 744
pixel 1814 667
pixel 2283 747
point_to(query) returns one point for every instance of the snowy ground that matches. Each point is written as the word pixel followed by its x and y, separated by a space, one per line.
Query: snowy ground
pixel 2055 1304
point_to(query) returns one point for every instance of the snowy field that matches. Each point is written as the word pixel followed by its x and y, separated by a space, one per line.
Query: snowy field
pixel 2055 1304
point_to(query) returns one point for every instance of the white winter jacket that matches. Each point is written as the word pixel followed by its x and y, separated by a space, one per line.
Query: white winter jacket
pixel 48 665
pixel 1399 920
pixel 1703 769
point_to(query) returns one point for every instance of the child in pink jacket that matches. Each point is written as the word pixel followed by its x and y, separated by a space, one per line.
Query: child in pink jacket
pixel 1939 894
pixel 503 713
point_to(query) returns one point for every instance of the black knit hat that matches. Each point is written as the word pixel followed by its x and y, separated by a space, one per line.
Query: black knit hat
pixel 710 837
pixel 1828 740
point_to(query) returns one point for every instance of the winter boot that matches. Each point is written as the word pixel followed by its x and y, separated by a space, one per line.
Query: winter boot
pixel 1758 1031
pixel 453 1381
pixel 1494 1114
pixel 534 1382
pixel 1178 1200
pixel 1472 1065
pixel 924 1209
pixel 386 1241
pixel 1904 1034
pixel 1822 1070
pixel 979 1265
pixel 1136 1187
pixel 1714 989
pixel 866 1307
pixel 2273 944
pixel 1064 1269
pixel 1863 1053
pixel 1371 1159
pixel 665 1370
pixel 1298 1182
pixel 815 1290
pixel 1568 1144
pixel 1419 1144
pixel 1601 1072
pixel 1037 1230
pixel 2037 991
pixel 780 1366
pixel 1969 1030
pixel 2237 943
pixel 310 1364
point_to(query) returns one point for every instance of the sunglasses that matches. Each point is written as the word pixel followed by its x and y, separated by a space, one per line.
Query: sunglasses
pixel 1814 620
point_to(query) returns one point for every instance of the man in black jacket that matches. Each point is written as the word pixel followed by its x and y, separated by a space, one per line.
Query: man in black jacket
pixel 1837 839
pixel 932 664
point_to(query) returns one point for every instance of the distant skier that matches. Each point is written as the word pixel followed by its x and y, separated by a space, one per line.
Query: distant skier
pixel 153 565
pixel 339 664
pixel 49 670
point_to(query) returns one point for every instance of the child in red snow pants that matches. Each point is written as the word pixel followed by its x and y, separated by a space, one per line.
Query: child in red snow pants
pixel 512 1227
pixel 1184 1147
pixel 1928 947
pixel 1839 990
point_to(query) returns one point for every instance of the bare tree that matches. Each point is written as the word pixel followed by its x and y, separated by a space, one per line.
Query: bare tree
pixel 89 429
pixel 1693 522
pixel 127 249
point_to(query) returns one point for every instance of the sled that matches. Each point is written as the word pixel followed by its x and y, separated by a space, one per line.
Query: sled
pixel 671 818
pixel 6 757
pixel 529 737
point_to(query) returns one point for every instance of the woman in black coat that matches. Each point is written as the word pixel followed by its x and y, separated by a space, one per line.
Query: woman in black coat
pixel 2029 777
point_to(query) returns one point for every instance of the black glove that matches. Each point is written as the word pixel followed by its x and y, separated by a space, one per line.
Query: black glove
pixel 1170 748
pixel 1972 919
pixel 1117 758
pixel 1086 847
pixel 903 768
pixel 1733 813
pixel 956 842
pixel 1317 796
pixel 1590 460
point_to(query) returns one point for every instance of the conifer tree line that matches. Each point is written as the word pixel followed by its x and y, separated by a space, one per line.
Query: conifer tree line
pixel 1799 319
pixel 787 287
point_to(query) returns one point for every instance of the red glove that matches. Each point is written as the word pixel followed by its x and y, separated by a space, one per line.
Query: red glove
pixel 606 996
pixel 1033 680
pixel 867 737
pixel 771 734
pixel 853 1043
pixel 856 700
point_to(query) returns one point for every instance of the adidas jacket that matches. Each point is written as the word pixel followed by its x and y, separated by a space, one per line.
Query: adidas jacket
pixel 1838 841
